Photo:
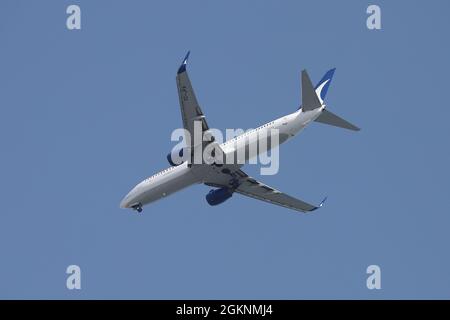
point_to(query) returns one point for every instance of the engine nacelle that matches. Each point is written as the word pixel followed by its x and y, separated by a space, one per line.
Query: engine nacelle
pixel 217 196
pixel 175 157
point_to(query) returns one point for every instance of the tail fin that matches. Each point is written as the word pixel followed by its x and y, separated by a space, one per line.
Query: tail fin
pixel 310 100
pixel 323 85
pixel 330 118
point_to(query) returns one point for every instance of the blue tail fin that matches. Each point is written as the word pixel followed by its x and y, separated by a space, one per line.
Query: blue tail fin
pixel 323 85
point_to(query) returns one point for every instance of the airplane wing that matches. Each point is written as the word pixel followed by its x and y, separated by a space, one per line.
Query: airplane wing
pixel 250 187
pixel 190 109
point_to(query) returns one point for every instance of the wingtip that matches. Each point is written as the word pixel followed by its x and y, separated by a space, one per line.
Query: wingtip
pixel 182 68
pixel 186 57
pixel 323 201
pixel 354 128
pixel 320 205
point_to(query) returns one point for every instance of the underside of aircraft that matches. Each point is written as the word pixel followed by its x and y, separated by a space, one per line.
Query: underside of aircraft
pixel 225 178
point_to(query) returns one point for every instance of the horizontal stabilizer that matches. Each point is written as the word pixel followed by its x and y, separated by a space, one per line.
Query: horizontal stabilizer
pixel 330 118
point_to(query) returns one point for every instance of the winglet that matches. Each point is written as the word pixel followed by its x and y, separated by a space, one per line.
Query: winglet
pixel 321 204
pixel 182 68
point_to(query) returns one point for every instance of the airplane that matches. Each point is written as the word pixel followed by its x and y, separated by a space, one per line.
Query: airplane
pixel 227 179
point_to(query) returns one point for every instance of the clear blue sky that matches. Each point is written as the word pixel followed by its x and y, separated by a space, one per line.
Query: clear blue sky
pixel 87 114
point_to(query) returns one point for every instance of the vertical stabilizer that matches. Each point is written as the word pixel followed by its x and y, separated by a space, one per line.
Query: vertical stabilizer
pixel 310 100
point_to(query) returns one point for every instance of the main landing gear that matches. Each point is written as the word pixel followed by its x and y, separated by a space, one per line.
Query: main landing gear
pixel 137 207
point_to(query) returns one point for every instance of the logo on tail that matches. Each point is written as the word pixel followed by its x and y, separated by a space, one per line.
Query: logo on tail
pixel 323 85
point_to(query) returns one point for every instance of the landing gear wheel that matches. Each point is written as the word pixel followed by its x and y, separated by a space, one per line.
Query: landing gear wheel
pixel 138 207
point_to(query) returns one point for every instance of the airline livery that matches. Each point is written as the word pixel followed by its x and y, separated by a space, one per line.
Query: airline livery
pixel 226 177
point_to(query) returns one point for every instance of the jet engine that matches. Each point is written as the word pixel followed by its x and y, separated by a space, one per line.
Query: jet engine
pixel 217 196
pixel 175 157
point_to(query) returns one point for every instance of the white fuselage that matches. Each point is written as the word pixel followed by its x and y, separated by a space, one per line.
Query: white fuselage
pixel 175 178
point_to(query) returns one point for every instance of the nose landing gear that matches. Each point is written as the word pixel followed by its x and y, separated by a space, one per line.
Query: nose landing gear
pixel 137 207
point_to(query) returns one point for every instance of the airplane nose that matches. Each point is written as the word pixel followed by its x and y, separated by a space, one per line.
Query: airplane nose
pixel 124 203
